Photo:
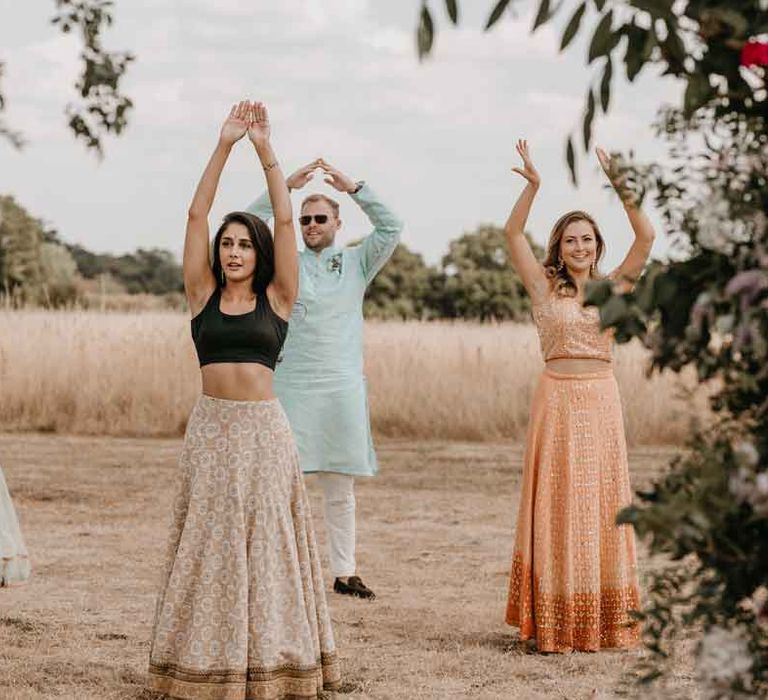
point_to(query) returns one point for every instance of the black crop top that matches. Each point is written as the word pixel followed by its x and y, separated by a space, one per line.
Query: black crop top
pixel 256 336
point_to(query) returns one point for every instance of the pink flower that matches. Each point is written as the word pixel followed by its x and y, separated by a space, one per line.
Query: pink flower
pixel 754 53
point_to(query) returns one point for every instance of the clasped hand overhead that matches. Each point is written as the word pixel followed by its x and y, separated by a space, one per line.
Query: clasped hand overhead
pixel 246 117
pixel 333 176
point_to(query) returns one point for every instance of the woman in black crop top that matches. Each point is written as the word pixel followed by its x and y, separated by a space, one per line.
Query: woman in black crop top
pixel 242 609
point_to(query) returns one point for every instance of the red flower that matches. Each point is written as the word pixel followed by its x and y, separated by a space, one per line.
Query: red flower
pixel 754 53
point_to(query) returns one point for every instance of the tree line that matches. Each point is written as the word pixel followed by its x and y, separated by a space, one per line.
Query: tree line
pixel 472 281
pixel 38 268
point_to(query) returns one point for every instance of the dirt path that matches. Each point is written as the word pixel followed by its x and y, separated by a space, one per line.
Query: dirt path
pixel 435 533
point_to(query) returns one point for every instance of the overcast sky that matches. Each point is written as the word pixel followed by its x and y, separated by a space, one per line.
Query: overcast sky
pixel 342 80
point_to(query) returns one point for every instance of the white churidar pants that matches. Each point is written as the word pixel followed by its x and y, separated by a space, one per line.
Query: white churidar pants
pixel 339 516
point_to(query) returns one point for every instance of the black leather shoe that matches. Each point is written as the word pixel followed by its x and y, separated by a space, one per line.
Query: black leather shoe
pixel 354 586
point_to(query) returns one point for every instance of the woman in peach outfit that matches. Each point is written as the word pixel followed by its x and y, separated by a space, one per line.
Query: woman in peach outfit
pixel 574 571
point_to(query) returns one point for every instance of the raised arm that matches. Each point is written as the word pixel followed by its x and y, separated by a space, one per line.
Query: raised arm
pixel 627 273
pixel 521 254
pixel 285 283
pixel 262 206
pixel 377 246
pixel 198 276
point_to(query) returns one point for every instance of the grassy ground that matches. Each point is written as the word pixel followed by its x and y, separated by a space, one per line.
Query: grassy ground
pixel 435 534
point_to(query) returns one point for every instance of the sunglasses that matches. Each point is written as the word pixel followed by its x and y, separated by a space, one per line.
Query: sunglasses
pixel 306 220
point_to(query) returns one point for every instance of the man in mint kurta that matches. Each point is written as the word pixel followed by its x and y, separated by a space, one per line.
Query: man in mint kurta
pixel 319 378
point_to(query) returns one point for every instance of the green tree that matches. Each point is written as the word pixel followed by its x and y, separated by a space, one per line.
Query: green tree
pixel 89 264
pixel 401 289
pixel 709 514
pixel 59 275
pixel 476 281
pixel 21 237
pixel 149 271
pixel 152 271
pixel 34 267
pixel 100 108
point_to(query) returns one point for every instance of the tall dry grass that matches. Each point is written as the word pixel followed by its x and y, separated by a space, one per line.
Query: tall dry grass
pixel 136 374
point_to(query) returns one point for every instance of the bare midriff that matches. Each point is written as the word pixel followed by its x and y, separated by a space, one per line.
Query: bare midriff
pixel 237 381
pixel 577 365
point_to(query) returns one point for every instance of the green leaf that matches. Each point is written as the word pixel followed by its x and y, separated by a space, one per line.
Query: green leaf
pixel 542 15
pixel 634 58
pixel 733 18
pixel 665 290
pixel 426 33
pixel 496 14
pixel 570 157
pixel 605 85
pixel 656 8
pixel 631 327
pixel 599 4
pixel 453 10
pixel 645 290
pixel 573 25
pixel 697 93
pixel 673 51
pixel 589 115
pixel 613 311
pixel 597 292
pixel 628 516
pixel 603 39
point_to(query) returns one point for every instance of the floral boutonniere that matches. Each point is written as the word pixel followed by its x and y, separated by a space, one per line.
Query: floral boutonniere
pixel 334 263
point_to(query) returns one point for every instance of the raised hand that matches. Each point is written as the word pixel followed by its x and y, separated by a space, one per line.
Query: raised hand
pixel 303 175
pixel 605 162
pixel 617 175
pixel 335 178
pixel 236 124
pixel 258 128
pixel 611 168
pixel 527 171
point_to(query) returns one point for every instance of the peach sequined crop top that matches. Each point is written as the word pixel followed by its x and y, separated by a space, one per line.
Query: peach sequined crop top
pixel 569 330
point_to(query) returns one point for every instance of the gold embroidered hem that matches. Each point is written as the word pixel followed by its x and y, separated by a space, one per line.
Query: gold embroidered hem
pixel 284 683
pixel 583 621
pixel 242 613
pixel 574 571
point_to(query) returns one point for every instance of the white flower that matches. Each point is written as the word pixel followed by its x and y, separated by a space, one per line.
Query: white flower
pixel 759 602
pixel 740 484
pixel 723 660
pixel 713 222
pixel 746 453
pixel 749 484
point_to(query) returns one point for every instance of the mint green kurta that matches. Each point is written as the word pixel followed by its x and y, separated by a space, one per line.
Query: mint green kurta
pixel 319 377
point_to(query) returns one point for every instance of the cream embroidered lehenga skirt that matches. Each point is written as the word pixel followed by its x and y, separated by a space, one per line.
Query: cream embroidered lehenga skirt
pixel 241 613
pixel 14 560
pixel 574 571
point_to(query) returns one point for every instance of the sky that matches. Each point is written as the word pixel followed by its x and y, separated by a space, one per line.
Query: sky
pixel 342 80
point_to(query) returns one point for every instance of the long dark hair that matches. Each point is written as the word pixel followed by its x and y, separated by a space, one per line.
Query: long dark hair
pixel 562 282
pixel 261 238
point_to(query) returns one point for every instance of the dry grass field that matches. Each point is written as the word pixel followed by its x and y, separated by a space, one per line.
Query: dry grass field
pixel 435 534
pixel 135 374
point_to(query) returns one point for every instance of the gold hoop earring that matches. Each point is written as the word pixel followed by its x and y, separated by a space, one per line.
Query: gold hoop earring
pixel 223 278
pixel 560 265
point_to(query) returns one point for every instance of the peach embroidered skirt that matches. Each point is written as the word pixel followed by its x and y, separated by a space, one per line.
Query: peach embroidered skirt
pixel 242 613
pixel 574 571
